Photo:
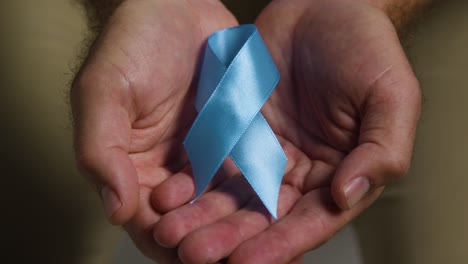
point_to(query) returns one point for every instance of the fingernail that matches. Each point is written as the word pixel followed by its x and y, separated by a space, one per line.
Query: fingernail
pixel 356 190
pixel 111 201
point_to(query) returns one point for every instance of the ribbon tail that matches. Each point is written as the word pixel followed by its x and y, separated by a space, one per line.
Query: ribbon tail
pixel 261 160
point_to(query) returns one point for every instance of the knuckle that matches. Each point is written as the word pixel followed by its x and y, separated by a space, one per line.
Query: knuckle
pixel 398 167
pixel 169 231
pixel 85 79
pixel 195 252
pixel 85 162
pixel 87 166
pixel 86 156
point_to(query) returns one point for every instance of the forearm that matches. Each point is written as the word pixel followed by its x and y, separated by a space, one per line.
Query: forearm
pixel 401 11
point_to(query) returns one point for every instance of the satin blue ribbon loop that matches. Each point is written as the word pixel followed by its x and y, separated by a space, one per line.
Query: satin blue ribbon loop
pixel 237 77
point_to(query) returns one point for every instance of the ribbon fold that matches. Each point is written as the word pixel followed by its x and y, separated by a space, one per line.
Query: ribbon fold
pixel 237 77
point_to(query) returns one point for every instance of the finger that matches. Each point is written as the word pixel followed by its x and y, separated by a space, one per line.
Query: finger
pixel 102 118
pixel 173 192
pixel 225 235
pixel 180 188
pixel 386 138
pixel 227 198
pixel 305 172
pixel 311 222
pixel 140 229
pixel 297 260
pixel 216 241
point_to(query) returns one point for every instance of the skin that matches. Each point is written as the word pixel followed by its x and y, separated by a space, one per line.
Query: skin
pixel 346 107
pixel 131 112
pixel 336 121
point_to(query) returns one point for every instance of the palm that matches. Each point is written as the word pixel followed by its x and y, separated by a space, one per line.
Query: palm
pixel 136 88
pixel 316 108
pixel 329 66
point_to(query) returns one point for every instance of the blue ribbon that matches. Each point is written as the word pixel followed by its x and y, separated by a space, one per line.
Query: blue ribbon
pixel 237 77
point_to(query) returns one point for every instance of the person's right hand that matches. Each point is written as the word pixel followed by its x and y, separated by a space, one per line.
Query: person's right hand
pixel 132 104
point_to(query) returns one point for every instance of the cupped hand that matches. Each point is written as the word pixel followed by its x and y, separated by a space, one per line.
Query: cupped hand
pixel 345 112
pixel 132 104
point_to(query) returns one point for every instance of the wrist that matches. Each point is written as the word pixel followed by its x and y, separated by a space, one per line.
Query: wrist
pixel 98 12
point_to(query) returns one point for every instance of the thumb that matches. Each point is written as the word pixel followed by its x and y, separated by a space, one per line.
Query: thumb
pixel 102 130
pixel 389 119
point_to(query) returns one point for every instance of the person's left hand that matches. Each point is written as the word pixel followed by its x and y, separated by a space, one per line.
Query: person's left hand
pixel 345 112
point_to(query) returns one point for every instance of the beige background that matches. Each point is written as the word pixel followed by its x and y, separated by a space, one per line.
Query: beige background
pixel 49 215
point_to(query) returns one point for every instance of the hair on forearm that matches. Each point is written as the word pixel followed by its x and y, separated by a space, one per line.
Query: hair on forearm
pixel 98 12
pixel 402 12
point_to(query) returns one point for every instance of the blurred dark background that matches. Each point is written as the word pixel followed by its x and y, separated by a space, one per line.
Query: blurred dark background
pixel 48 213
